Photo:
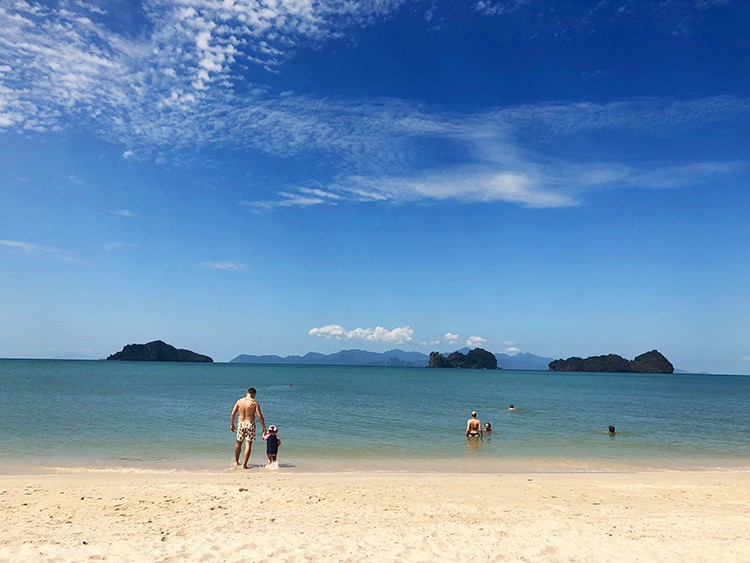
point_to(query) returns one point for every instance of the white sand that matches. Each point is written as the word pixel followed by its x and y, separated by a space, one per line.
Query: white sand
pixel 262 515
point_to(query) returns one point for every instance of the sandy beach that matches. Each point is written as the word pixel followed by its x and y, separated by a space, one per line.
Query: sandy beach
pixel 261 515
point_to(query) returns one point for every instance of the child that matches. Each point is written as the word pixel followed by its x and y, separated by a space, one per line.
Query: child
pixel 272 443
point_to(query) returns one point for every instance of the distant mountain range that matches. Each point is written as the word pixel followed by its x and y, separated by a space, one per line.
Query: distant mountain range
pixel 523 361
pixel 391 358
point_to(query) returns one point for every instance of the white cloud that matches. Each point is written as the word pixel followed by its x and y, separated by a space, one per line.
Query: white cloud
pixel 475 341
pixel 328 331
pixel 226 266
pixel 378 334
pixel 450 338
pixel 63 62
pixel 128 154
pixel 510 347
pixel 745 358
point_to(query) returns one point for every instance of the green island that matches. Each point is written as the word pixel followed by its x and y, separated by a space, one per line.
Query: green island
pixel 649 362
pixel 478 358
pixel 157 351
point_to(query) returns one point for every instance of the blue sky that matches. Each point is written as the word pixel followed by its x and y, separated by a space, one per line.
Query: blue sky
pixel 277 177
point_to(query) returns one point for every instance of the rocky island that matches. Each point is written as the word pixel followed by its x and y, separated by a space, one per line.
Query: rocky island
pixel 650 362
pixel 157 351
pixel 478 358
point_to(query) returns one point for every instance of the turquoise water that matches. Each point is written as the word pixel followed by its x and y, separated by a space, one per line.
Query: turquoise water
pixel 87 415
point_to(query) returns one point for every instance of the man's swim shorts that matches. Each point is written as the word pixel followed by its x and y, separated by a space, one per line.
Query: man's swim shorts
pixel 245 431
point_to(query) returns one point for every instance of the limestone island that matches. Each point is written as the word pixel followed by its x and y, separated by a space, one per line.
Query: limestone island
pixel 157 351
pixel 650 362
pixel 478 358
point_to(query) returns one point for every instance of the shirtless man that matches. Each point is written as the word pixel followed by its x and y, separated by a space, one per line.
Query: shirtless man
pixel 247 407
pixel 473 425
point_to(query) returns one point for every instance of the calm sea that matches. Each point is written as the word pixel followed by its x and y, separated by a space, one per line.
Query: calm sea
pixel 132 416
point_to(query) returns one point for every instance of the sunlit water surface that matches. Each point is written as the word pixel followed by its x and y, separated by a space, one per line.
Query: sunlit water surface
pixel 137 416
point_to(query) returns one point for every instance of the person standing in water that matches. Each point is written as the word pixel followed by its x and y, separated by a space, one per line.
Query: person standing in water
pixel 247 408
pixel 272 444
pixel 473 425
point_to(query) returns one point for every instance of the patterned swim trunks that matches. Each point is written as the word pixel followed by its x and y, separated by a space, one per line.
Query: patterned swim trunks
pixel 246 431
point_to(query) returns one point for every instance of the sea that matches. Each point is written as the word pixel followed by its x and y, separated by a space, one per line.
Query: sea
pixel 60 416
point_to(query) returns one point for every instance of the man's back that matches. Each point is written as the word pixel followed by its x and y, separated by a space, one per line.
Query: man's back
pixel 246 408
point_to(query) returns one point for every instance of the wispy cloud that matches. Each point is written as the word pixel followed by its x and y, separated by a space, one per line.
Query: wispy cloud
pixel 122 213
pixel 397 335
pixel 496 7
pixel 498 160
pixel 226 266
pixel 112 246
pixel 37 250
pixel 183 84
pixel 303 197
pixel 467 185
pixel 66 61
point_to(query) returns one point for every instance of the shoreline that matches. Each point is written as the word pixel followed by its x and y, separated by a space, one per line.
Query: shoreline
pixel 444 465
pixel 412 516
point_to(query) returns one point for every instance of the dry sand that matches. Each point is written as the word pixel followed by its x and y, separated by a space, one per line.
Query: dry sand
pixel 260 515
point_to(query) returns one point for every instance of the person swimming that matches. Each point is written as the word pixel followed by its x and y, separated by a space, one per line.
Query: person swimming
pixel 487 427
pixel 611 430
pixel 512 408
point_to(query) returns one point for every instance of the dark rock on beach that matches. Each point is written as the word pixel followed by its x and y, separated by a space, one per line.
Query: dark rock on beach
pixel 650 362
pixel 157 351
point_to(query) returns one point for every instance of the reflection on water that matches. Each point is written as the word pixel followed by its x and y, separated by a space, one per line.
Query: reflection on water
pixel 474 442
